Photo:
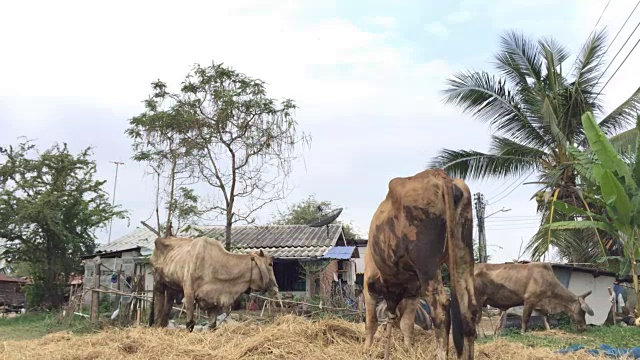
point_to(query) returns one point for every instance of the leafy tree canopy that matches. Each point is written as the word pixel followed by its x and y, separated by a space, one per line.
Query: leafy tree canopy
pixel 50 208
pixel 306 211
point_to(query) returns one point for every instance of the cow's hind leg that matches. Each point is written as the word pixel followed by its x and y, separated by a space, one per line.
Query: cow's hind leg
pixel 407 320
pixel 526 313
pixel 439 303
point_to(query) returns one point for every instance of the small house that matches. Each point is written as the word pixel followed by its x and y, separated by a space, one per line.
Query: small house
pixel 11 293
pixel 307 260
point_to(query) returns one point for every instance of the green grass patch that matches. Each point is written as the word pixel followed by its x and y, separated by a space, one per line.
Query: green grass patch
pixel 591 338
pixel 38 324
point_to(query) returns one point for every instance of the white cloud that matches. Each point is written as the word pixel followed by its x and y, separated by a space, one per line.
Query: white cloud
pixel 458 17
pixel 438 29
pixel 386 22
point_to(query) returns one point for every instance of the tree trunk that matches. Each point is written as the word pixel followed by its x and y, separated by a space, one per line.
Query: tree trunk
pixel 634 275
pixel 169 230
pixel 227 229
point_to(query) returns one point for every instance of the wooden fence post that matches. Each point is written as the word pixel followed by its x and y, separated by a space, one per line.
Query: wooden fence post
pixel 95 296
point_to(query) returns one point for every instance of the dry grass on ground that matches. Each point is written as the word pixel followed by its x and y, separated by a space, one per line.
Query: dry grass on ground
pixel 289 337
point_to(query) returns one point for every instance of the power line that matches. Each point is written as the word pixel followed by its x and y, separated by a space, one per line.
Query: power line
pixel 516 228
pixel 619 31
pixel 600 18
pixel 507 194
pixel 507 188
pixel 614 40
pixel 517 216
pixel 622 63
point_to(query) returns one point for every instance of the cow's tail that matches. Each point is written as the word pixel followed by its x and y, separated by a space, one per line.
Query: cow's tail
pixel 151 308
pixel 453 244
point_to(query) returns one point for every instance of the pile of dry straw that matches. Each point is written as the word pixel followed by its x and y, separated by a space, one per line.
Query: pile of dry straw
pixel 289 337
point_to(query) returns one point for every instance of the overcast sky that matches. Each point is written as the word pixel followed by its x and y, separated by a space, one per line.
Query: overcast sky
pixel 366 76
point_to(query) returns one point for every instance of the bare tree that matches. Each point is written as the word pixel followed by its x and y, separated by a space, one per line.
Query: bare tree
pixel 240 142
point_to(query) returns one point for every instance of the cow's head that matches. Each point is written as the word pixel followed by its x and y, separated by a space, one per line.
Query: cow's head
pixel 580 308
pixel 266 280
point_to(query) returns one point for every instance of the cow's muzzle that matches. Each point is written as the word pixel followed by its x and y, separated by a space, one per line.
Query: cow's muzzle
pixel 273 292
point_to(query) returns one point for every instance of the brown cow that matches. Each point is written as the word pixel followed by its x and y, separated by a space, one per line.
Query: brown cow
pixel 424 220
pixel 532 285
pixel 206 273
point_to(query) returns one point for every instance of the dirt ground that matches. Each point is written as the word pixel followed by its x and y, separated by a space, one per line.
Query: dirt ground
pixel 288 337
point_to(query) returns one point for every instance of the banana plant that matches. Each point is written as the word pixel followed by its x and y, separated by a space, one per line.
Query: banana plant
pixel 619 185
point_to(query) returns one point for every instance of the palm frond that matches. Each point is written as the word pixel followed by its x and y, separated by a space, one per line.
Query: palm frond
pixel 553 124
pixel 625 142
pixel 519 59
pixel 588 68
pixel 488 99
pixel 469 164
pixel 554 51
pixel 623 116
pixel 503 146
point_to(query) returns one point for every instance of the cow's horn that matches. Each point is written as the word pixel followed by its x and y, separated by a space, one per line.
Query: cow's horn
pixel 586 308
pixel 586 294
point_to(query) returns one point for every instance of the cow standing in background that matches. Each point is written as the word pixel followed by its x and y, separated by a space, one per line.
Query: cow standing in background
pixel 206 273
pixel 424 220
pixel 533 286
pixel 422 318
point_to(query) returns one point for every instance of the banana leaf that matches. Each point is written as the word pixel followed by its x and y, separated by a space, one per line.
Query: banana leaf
pixel 605 152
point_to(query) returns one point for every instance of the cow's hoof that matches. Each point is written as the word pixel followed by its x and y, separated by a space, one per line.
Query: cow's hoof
pixel 190 325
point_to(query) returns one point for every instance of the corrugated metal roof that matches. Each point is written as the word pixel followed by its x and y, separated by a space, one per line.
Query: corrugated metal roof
pixel 278 235
pixel 140 237
pixel 283 241
pixel 340 252
pixel 290 252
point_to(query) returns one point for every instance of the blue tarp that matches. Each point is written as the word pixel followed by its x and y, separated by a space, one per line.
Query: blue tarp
pixel 339 252
pixel 425 306
pixel 607 350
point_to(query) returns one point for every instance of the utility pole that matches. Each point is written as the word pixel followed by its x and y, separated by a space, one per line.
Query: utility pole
pixel 482 240
pixel 480 205
pixel 113 202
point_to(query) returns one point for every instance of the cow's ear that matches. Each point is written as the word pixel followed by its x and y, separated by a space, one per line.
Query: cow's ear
pixel 261 254
pixel 586 294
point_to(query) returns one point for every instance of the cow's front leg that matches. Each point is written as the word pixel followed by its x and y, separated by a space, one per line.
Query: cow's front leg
pixel 545 319
pixel 407 320
pixel 526 313
pixel 189 304
pixel 213 313
pixel 392 307
pixel 371 318
pixel 439 302
pixel 159 304
pixel 169 298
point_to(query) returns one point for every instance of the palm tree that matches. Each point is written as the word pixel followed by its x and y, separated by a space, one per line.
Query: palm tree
pixel 535 108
